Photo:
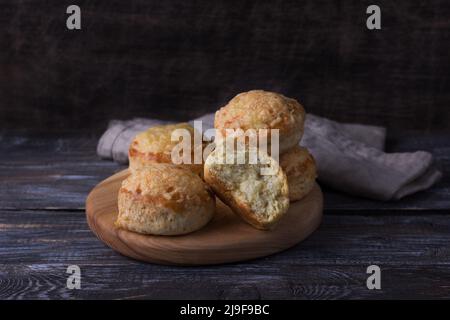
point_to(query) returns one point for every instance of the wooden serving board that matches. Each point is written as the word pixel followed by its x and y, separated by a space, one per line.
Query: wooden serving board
pixel 225 239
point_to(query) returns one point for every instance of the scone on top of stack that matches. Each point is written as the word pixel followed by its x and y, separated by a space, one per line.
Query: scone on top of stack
pixel 155 146
pixel 260 199
pixel 258 109
pixel 164 199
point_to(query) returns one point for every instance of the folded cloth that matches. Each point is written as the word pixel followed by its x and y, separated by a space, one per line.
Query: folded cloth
pixel 349 157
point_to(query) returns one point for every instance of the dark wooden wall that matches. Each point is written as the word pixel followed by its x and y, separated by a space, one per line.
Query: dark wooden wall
pixel 178 59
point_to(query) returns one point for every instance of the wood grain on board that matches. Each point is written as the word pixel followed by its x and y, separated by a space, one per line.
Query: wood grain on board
pixel 226 238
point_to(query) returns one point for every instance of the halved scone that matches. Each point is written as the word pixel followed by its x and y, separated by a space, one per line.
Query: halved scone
pixel 255 190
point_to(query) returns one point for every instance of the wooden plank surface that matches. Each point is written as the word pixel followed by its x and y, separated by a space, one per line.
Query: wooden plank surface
pixel 44 181
pixel 38 246
pixel 58 173
pixel 40 236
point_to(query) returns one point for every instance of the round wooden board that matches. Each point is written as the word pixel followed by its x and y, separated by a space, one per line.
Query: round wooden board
pixel 225 239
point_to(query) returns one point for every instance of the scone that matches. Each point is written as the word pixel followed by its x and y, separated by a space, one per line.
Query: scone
pixel 258 109
pixel 261 200
pixel 300 169
pixel 155 146
pixel 164 199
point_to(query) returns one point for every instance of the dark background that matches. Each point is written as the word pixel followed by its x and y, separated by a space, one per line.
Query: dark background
pixel 179 59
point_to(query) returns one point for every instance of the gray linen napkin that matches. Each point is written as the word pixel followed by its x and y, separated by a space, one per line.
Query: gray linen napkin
pixel 349 157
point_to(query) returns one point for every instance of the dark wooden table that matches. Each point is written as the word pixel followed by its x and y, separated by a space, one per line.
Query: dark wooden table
pixel 44 182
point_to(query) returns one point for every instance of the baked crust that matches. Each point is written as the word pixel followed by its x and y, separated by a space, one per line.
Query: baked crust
pixel 300 169
pixel 155 146
pixel 258 109
pixel 164 199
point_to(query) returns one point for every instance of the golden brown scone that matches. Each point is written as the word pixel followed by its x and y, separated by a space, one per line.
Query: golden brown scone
pixel 300 169
pixel 261 200
pixel 155 146
pixel 164 199
pixel 258 109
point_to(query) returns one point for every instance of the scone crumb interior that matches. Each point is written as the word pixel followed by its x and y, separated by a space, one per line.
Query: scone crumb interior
pixel 266 196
